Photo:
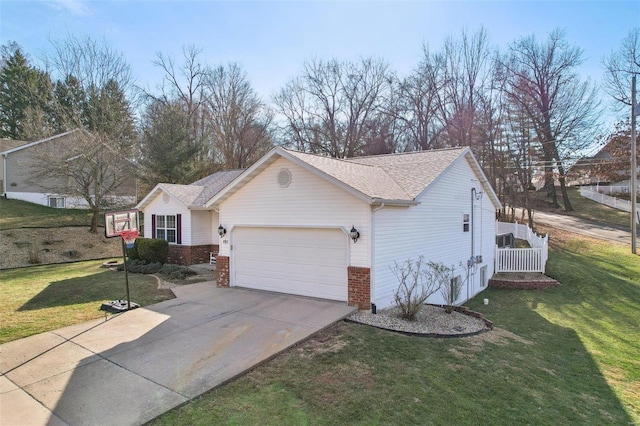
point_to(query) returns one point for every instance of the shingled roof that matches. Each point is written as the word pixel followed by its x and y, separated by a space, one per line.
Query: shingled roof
pixel 391 179
pixel 196 194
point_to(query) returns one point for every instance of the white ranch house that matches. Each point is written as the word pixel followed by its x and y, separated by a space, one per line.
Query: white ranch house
pixel 287 221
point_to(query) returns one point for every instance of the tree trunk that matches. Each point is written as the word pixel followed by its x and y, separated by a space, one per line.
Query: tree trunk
pixel 94 221
pixel 565 195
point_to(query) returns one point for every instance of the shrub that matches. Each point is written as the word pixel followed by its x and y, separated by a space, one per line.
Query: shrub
pixel 416 284
pixel 151 250
pixel 176 272
pixel 450 286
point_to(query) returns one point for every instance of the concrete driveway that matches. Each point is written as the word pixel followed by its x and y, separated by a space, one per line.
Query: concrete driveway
pixel 136 365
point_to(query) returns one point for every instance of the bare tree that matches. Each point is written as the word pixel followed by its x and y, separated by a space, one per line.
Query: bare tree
pixel 238 119
pixel 333 106
pixel 91 165
pixel 185 84
pixel 542 79
pixel 620 65
pixel 420 93
pixel 465 63
pixel 83 165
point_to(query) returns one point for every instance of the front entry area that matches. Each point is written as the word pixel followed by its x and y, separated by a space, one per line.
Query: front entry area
pixel 303 261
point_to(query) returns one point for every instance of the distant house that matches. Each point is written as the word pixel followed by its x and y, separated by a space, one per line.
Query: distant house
pixel 20 161
pixel 611 164
pixel 334 228
pixel 177 213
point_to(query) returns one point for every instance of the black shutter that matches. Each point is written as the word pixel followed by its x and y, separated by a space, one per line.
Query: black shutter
pixel 153 226
pixel 179 230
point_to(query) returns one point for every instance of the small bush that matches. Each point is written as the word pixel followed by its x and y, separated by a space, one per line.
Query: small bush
pixel 34 256
pixel 71 254
pixel 151 250
pixel 176 272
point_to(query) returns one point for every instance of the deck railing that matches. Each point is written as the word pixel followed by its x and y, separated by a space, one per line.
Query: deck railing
pixel 532 259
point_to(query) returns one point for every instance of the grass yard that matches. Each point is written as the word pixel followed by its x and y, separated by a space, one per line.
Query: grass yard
pixel 584 208
pixel 20 214
pixel 563 356
pixel 43 298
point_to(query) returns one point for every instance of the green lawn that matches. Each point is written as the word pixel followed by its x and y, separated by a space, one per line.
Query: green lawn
pixel 43 298
pixel 562 356
pixel 585 208
pixel 20 214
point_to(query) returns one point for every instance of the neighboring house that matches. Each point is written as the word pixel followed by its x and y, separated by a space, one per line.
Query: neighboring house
pixel 287 223
pixel 611 164
pixel 177 213
pixel 18 163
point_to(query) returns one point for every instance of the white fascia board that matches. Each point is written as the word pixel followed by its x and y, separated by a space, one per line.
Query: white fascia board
pixel 484 181
pixel 154 193
pixel 38 142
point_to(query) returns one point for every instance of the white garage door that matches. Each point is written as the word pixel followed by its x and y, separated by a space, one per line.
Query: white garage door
pixel 308 262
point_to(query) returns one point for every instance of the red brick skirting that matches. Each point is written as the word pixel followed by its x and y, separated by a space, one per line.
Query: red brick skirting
pixel 359 287
pixel 190 255
pixel 516 284
pixel 222 271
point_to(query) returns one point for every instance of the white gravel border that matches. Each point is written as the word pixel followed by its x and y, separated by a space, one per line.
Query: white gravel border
pixel 430 321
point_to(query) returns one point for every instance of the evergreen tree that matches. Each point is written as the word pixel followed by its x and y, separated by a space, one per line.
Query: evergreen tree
pixel 24 91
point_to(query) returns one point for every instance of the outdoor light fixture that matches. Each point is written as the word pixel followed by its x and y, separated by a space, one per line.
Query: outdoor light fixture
pixel 354 234
pixel 221 231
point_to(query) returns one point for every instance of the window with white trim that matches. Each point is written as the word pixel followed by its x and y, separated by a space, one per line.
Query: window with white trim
pixel 166 228
pixel 56 202
pixel 465 223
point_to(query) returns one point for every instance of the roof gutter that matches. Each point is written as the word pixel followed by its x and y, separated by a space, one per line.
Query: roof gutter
pixel 384 202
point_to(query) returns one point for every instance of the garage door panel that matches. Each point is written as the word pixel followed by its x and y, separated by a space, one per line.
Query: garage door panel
pixel 310 262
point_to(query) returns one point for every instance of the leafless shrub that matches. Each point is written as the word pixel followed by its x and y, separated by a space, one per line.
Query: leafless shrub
pixel 449 285
pixel 33 255
pixel 416 284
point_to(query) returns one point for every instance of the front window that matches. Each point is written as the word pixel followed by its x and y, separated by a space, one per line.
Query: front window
pixel 166 228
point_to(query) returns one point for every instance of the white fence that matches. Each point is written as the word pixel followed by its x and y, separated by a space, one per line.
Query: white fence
pixel 532 259
pixel 616 203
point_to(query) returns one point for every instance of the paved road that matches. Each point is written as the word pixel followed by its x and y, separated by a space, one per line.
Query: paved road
pixel 602 231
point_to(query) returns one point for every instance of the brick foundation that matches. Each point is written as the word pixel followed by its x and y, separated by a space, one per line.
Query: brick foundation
pixel 222 271
pixel 359 287
pixel 523 284
pixel 190 255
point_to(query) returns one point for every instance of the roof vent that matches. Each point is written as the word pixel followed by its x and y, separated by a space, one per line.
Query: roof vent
pixel 284 178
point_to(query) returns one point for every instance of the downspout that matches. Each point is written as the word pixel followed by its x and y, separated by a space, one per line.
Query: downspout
pixel 4 175
pixel 373 253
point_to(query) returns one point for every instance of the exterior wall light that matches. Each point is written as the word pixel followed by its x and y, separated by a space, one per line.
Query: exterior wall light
pixel 221 231
pixel 354 234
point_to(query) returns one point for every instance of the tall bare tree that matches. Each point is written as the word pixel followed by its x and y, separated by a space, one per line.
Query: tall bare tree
pixel 620 65
pixel 91 94
pixel 465 63
pixel 185 83
pixel 542 78
pixel 333 106
pixel 238 119
pixel 420 95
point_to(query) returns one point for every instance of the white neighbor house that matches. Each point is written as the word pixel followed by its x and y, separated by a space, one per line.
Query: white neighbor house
pixel 287 222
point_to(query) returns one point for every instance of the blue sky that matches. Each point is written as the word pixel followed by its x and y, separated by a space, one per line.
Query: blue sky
pixel 271 39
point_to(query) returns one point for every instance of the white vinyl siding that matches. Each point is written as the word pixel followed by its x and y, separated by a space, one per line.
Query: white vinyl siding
pixel 202 232
pixel 435 229
pixel 304 261
pixel 308 201
pixel 173 207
